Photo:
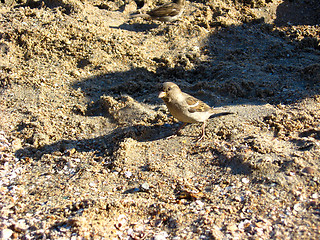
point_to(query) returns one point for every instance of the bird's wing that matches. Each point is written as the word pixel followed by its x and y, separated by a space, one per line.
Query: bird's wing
pixel 195 105
pixel 170 9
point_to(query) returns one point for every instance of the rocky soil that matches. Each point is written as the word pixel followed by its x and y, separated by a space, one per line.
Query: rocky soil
pixel 84 147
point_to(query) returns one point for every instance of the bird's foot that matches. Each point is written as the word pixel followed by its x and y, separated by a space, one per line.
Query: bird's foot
pixel 170 137
pixel 177 133
pixel 200 138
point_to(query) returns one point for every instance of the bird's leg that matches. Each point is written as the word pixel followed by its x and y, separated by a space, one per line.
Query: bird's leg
pixel 203 133
pixel 182 126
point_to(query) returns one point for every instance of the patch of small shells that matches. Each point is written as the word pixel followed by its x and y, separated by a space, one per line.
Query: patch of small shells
pixel 10 192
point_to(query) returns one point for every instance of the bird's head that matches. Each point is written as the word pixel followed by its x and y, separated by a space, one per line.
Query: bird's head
pixel 169 89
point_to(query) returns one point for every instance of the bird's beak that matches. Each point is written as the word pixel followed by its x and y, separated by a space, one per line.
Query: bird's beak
pixel 162 94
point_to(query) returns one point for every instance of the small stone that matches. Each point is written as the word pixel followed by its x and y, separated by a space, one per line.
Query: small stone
pixel 216 233
pixel 144 187
pixel 70 152
pixel 259 231
pixel 245 180
pixel 16 144
pixel 244 224
pixel 20 226
pixel 122 222
pixel 199 203
pixel 5 234
pixel 315 195
pixel 308 170
pixel 130 7
pixel 127 174
pixel 297 207
pixel 160 236
pixel 238 198
pixel 75 73
pixel 232 228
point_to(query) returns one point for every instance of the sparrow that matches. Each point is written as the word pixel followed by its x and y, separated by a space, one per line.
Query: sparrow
pixel 168 12
pixel 186 108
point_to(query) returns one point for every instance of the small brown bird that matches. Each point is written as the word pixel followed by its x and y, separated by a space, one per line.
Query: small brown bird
pixel 168 12
pixel 186 108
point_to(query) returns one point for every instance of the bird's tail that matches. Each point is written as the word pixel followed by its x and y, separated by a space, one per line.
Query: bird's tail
pixel 221 114
pixel 142 15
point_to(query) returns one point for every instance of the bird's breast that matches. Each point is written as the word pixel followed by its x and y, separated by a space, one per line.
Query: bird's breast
pixel 181 113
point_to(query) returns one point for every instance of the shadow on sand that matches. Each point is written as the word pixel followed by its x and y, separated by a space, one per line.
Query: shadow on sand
pixel 298 12
pixel 243 65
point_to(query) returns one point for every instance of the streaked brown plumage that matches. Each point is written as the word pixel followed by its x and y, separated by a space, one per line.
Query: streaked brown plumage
pixel 166 13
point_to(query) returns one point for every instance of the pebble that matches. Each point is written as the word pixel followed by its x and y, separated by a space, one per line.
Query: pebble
pixel 245 180
pixel 216 232
pixel 160 236
pixel 297 207
pixel 127 174
pixel 199 203
pixel 5 234
pixel 144 187
pixel 238 198
pixel 75 73
pixel 244 224
pixel 308 170
pixel 16 144
pixel 122 222
pixel 315 195
pixel 232 227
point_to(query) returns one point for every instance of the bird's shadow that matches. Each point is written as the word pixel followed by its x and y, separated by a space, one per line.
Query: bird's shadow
pixel 107 144
pixel 137 27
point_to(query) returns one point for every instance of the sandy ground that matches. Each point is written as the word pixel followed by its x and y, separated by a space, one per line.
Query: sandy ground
pixel 84 152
